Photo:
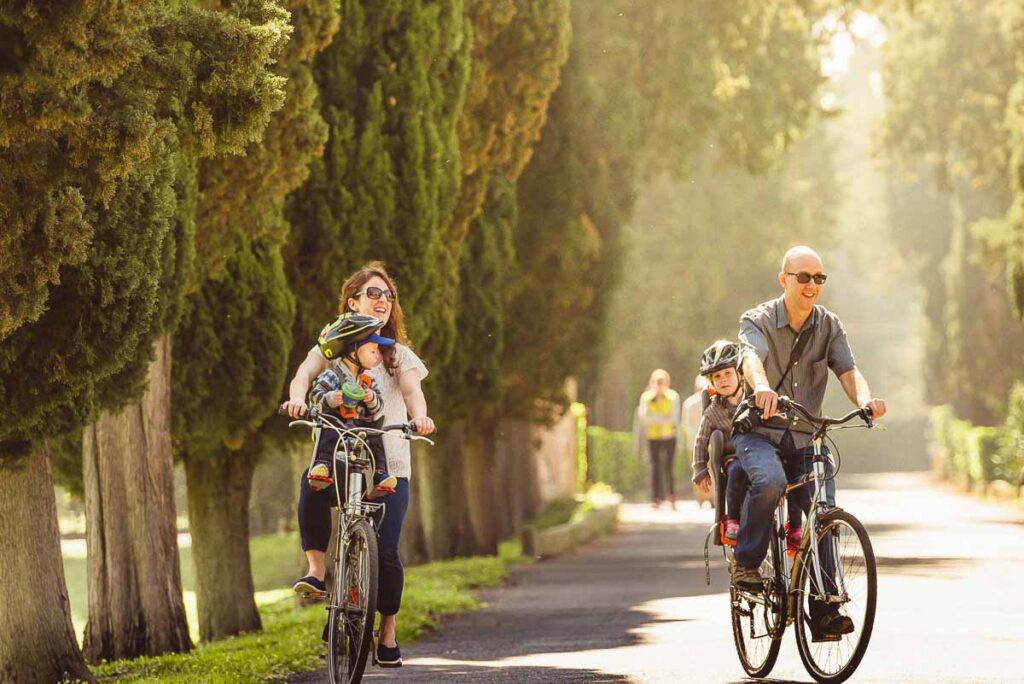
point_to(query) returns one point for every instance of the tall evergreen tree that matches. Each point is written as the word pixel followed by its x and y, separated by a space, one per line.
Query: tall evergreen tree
pixel 235 335
pixel 392 86
pixel 129 88
pixel 240 218
pixel 948 76
pixel 519 48
pixel 135 594
pixel 646 84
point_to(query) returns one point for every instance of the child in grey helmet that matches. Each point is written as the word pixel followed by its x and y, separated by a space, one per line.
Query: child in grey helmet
pixel 351 346
pixel 720 365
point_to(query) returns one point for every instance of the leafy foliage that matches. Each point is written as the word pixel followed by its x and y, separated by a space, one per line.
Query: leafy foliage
pixel 646 86
pixel 136 94
pixel 392 85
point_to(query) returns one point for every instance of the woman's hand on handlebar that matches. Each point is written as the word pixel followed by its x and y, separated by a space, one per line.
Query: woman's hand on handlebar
pixel 424 425
pixel 294 409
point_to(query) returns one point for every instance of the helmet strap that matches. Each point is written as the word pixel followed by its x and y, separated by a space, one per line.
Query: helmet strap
pixel 353 358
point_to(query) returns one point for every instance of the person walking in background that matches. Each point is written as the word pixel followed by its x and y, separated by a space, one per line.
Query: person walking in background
pixel 660 412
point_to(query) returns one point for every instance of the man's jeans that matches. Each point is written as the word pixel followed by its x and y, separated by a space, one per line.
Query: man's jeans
pixel 761 459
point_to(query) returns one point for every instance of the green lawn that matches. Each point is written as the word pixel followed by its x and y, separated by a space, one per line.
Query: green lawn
pixel 290 641
pixel 276 562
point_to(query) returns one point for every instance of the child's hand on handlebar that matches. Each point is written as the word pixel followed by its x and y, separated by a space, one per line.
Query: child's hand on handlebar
pixel 424 425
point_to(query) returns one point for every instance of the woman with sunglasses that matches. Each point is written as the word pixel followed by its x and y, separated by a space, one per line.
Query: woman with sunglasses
pixel 370 291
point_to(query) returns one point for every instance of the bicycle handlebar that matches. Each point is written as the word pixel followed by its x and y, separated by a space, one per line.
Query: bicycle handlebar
pixel 825 422
pixel 314 416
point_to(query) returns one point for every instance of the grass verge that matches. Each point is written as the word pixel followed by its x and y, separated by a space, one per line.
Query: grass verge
pixel 290 640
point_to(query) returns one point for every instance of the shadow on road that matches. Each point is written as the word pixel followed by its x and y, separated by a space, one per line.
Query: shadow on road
pixel 923 567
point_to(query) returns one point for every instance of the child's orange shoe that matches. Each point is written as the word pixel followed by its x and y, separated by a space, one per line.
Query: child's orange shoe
pixel 383 484
pixel 319 477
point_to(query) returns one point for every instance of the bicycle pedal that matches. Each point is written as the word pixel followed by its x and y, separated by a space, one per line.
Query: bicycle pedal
pixel 315 595
pixel 820 638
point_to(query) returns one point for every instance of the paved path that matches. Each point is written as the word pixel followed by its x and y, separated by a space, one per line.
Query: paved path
pixel 634 608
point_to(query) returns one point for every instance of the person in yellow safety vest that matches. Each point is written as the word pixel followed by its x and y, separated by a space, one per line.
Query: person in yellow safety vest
pixel 660 412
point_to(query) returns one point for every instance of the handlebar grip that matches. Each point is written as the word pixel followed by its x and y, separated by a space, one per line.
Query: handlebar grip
pixel 405 427
pixel 868 416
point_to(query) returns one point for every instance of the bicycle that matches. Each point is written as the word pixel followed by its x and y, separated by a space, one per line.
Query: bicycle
pixel 352 601
pixel 791 584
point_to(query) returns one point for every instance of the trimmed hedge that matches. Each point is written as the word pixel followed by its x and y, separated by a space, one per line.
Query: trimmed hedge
pixel 979 454
pixel 611 460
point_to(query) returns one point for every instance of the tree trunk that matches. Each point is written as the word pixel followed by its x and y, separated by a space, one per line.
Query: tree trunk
pixel 275 487
pixel 37 640
pixel 478 479
pixel 135 599
pixel 218 509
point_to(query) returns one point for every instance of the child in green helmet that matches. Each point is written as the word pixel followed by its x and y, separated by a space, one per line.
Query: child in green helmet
pixel 351 346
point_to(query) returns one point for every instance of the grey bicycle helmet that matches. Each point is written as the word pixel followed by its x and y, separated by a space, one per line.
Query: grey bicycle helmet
pixel 347 332
pixel 721 354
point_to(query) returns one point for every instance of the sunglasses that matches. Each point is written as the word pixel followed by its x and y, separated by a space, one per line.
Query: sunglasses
pixel 377 293
pixel 803 277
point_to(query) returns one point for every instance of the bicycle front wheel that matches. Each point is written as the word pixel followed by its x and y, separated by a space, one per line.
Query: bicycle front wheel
pixel 354 606
pixel 850 583
pixel 758 620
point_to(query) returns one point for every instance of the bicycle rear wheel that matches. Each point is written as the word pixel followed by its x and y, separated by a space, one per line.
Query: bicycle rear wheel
pixel 354 606
pixel 852 586
pixel 758 620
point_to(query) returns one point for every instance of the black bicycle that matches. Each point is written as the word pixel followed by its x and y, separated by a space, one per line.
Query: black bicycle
pixel 833 569
pixel 352 597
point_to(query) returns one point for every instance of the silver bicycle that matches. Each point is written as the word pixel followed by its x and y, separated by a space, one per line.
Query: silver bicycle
pixel 352 596
pixel 832 570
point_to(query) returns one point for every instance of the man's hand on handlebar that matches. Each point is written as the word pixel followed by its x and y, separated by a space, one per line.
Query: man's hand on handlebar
pixel 294 409
pixel 705 484
pixel 424 425
pixel 877 408
pixel 767 400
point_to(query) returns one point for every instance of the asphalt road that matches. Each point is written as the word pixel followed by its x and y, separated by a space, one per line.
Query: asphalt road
pixel 633 607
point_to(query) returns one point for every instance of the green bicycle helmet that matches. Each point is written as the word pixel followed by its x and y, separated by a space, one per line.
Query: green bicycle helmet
pixel 721 354
pixel 348 332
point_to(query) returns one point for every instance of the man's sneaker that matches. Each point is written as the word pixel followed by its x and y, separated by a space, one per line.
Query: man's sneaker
pixel 747 579
pixel 388 657
pixel 383 484
pixel 732 529
pixel 319 477
pixel 794 538
pixel 309 586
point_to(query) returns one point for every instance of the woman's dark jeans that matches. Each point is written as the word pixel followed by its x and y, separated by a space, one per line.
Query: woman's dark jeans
pixel 315 531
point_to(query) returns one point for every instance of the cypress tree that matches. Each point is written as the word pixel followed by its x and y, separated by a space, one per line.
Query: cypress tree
pixel 645 85
pixel 135 594
pixel 244 299
pixel 236 333
pixel 77 174
pixel 391 86
pixel 518 52
pixel 126 90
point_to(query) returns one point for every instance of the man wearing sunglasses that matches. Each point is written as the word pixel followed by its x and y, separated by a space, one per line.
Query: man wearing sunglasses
pixel 790 345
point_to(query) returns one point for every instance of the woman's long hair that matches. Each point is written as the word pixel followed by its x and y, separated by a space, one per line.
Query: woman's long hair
pixel 395 327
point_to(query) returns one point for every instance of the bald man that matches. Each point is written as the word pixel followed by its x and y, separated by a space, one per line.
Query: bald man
pixel 780 449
